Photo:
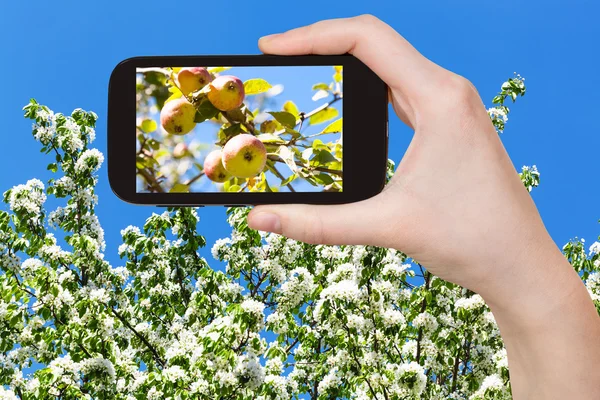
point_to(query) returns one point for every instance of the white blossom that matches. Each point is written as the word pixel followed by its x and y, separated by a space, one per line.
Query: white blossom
pixel 89 161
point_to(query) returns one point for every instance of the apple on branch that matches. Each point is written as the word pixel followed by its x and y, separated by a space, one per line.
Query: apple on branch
pixel 192 79
pixel 226 92
pixel 214 169
pixel 244 156
pixel 177 117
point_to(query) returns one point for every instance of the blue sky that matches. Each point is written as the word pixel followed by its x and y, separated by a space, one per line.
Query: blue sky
pixel 62 53
pixel 293 83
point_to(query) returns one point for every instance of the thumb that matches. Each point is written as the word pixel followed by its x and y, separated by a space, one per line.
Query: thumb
pixel 354 223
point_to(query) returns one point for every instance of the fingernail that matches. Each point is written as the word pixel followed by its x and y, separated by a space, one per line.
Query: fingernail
pixel 269 37
pixel 266 222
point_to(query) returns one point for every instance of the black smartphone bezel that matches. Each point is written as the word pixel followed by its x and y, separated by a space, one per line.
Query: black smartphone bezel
pixel 365 114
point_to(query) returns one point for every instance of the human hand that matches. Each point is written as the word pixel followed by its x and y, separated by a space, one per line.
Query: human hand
pixel 458 207
pixel 455 203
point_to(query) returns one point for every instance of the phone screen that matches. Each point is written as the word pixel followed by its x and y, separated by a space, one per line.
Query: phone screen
pixel 239 129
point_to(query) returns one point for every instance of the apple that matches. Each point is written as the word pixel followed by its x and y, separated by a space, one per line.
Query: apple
pixel 244 156
pixel 213 167
pixel 177 117
pixel 192 79
pixel 180 150
pixel 226 92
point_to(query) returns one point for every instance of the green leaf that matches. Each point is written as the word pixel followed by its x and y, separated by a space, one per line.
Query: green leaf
pixel 323 116
pixel 234 188
pixel 323 179
pixel 256 86
pixel 289 179
pixel 154 144
pixel 290 107
pixel 233 130
pixel 53 167
pixel 319 145
pixel 270 138
pixel 216 70
pixel 205 111
pixel 175 94
pixel 269 126
pixel 322 157
pixel 179 188
pixel 284 118
pixel 293 132
pixel 334 127
pixel 149 125
pixel 321 86
pixel 337 77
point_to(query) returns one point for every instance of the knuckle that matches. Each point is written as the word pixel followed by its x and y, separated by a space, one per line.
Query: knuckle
pixel 460 88
pixel 314 232
pixel 368 19
pixel 456 96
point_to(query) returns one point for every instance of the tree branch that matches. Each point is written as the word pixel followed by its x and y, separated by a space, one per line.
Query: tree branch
pixel 157 357
pixel 151 180
pixel 278 174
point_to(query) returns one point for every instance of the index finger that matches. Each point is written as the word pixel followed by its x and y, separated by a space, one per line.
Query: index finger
pixel 369 39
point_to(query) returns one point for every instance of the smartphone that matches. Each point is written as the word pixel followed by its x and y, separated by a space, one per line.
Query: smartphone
pixel 246 130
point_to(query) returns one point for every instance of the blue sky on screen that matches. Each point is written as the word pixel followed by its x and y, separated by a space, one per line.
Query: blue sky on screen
pixel 62 53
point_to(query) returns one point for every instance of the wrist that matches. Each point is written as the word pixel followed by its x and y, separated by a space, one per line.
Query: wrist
pixel 550 329
pixel 538 282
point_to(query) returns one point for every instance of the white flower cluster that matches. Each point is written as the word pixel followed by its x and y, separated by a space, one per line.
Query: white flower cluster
pixel 278 384
pixel 66 370
pixel 249 370
pixel 44 130
pixel 220 248
pixel 470 303
pixel 492 387
pixel 329 381
pixel 65 183
pixel 7 394
pixel 412 376
pixel 89 161
pixel 393 317
pixel 342 272
pixel 174 373
pixel 346 290
pixel 54 253
pixel 530 176
pixel 28 198
pixel 498 113
pixel 130 230
pixel 69 138
pixel 426 321
pixel 595 248
pixel 99 364
pixel 256 309
pixel 296 288
pixel 592 284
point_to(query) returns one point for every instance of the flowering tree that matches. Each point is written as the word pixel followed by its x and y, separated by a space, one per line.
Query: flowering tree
pixel 284 320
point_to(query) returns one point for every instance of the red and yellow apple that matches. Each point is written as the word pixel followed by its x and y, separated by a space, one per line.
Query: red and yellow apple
pixel 226 92
pixel 214 169
pixel 192 79
pixel 177 117
pixel 244 156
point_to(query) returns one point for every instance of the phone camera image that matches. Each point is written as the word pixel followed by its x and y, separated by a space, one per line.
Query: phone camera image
pixel 241 129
